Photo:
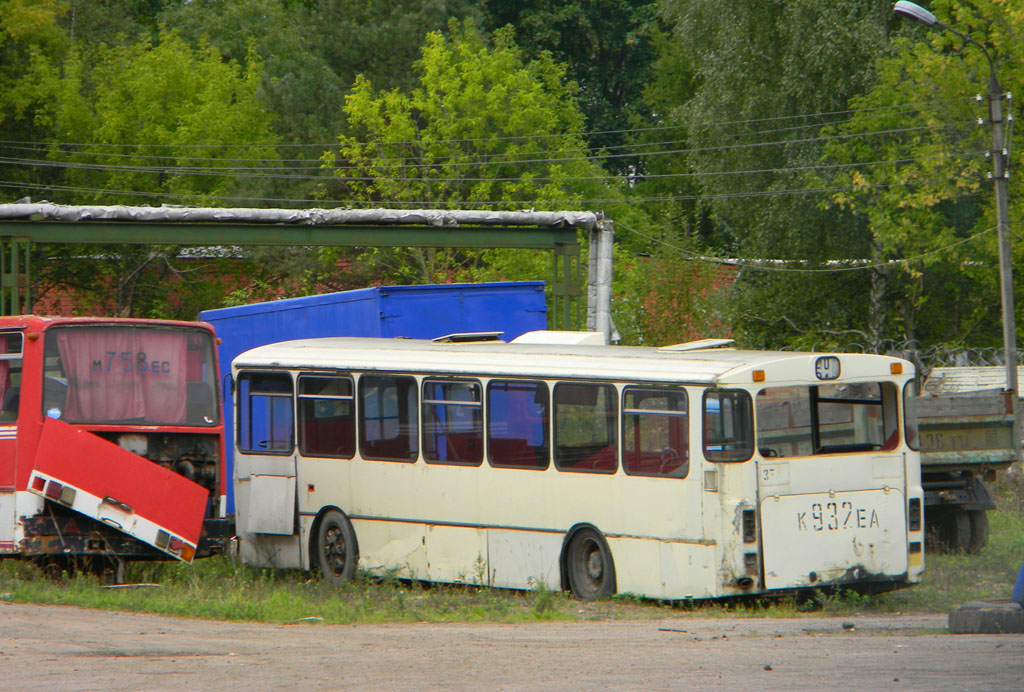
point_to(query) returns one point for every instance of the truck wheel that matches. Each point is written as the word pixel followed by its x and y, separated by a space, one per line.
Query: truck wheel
pixel 958 531
pixel 950 532
pixel 979 530
pixel 336 549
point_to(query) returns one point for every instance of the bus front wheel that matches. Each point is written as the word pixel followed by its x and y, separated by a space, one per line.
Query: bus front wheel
pixel 337 553
pixel 589 566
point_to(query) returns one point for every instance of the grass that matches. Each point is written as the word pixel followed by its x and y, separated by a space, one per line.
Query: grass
pixel 217 588
pixel 222 589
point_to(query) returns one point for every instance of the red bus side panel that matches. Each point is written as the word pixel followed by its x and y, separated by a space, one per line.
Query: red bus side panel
pixel 131 484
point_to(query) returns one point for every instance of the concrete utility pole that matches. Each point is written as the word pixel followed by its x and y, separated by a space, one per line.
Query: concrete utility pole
pixel 1000 178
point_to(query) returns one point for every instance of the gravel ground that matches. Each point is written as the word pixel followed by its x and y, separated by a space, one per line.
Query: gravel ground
pixel 70 649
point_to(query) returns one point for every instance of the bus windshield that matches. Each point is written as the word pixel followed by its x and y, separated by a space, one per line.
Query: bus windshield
pixel 134 374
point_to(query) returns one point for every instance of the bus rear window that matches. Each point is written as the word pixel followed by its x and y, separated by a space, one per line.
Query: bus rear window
pixel 130 374
pixel 826 419
pixel 728 425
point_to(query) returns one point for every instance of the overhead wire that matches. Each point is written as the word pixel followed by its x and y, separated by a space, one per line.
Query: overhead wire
pixel 772 265
pixel 242 173
pixel 278 171
pixel 725 123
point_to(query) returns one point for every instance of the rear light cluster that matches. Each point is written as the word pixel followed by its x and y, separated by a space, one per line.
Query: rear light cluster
pixel 914 514
pixel 52 490
pixel 749 526
pixel 174 546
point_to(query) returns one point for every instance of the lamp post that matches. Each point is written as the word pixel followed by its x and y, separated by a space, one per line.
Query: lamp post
pixel 999 179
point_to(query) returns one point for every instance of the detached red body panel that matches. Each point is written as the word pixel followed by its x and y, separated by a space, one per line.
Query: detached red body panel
pixel 91 464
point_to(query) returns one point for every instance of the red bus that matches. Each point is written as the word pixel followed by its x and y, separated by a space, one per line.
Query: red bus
pixel 111 442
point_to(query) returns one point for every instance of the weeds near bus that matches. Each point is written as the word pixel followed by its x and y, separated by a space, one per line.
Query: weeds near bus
pixel 218 589
pixel 221 589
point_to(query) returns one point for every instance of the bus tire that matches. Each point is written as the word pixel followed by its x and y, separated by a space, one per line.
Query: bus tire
pixel 979 530
pixel 589 567
pixel 336 549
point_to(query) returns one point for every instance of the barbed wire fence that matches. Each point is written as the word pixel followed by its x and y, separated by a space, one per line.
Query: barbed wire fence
pixel 936 356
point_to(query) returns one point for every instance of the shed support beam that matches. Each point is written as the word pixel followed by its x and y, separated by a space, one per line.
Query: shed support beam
pixel 599 281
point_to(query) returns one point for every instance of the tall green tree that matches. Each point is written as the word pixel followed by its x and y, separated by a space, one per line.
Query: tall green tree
pixel 158 120
pixel 768 75
pixel 32 46
pixel 607 47
pixel 485 127
pixel 148 123
pixel 930 198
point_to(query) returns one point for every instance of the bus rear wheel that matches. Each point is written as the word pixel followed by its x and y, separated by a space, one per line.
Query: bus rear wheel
pixel 337 553
pixel 589 566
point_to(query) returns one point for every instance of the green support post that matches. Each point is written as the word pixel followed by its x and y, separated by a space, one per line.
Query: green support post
pixel 15 298
pixel 565 287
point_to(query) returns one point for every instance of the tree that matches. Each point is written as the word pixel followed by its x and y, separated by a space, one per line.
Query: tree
pixel 484 127
pixel 150 122
pixel 159 120
pixel 607 46
pixel 930 200
pixel 32 45
pixel 768 75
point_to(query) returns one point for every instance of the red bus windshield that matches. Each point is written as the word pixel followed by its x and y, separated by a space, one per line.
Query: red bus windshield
pixel 134 374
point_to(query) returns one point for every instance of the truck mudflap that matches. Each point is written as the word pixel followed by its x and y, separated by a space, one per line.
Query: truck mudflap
pixel 127 492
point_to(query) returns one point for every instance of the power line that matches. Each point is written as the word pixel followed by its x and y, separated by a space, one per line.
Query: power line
pixel 279 172
pixel 767 265
pixel 518 204
pixel 244 173
pixel 898 108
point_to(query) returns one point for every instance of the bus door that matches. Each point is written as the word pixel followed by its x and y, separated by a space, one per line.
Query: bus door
pixel 831 484
pixel 265 463
pixel 10 389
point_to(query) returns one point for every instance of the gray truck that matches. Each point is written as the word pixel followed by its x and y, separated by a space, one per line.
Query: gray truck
pixel 966 425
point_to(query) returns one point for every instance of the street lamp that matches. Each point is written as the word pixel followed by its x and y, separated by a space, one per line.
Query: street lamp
pixel 999 179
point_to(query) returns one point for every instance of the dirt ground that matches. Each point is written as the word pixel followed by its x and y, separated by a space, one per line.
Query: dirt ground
pixel 70 649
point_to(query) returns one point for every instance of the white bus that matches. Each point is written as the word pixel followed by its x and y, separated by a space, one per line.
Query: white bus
pixel 670 473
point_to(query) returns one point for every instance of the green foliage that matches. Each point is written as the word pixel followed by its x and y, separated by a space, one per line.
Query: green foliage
pixel 607 47
pixel 312 51
pixel 660 300
pixel 462 136
pixel 484 127
pixel 930 199
pixel 216 588
pixel 165 107
pixel 761 71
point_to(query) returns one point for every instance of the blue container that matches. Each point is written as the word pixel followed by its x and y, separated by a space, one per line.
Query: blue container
pixel 415 312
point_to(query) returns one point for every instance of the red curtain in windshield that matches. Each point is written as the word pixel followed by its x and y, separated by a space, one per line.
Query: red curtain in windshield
pixel 124 374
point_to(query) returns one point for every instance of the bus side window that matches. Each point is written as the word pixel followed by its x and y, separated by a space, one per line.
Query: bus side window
pixel 655 426
pixel 10 376
pixel 453 430
pixel 517 424
pixel 265 420
pixel 728 425
pixel 586 417
pixel 388 418
pixel 327 419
